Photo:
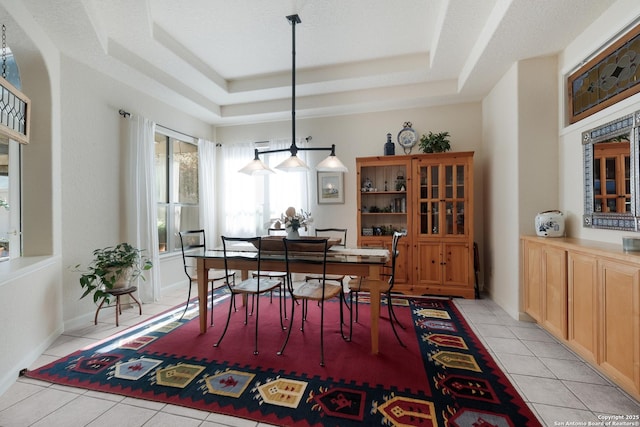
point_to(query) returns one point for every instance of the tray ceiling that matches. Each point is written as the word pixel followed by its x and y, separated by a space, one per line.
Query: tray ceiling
pixel 229 62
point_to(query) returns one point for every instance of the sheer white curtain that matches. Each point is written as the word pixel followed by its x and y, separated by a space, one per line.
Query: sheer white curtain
pixel 207 155
pixel 285 188
pixel 238 192
pixel 247 203
pixel 141 202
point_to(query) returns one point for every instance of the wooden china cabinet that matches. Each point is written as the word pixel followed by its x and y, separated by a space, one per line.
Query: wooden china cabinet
pixel 431 197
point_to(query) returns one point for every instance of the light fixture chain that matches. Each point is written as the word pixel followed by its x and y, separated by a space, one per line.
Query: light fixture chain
pixel 294 163
pixel 4 51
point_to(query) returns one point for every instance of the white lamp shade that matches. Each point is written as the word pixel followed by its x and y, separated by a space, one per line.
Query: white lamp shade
pixel 331 164
pixel 293 164
pixel 256 167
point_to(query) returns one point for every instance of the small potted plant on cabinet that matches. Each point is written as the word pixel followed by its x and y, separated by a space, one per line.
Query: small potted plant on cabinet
pixel 435 142
pixel 112 267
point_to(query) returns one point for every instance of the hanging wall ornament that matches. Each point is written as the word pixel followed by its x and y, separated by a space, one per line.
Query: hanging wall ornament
pixel 407 137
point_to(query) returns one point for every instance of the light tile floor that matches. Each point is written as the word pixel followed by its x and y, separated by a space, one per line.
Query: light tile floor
pixel 556 384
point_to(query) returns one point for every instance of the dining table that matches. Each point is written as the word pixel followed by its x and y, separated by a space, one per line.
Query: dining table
pixel 363 262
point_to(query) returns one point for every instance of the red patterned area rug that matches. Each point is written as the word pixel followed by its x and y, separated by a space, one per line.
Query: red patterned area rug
pixel 444 377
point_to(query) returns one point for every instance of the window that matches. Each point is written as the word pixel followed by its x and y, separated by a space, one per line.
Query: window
pixel 177 186
pixel 10 233
pixel 13 122
pixel 250 203
pixel 609 77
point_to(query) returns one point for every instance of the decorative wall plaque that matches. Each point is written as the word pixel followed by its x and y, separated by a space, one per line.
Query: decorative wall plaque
pixel 609 77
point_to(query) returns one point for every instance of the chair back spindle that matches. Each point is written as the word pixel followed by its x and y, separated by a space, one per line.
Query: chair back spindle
pixel 334 232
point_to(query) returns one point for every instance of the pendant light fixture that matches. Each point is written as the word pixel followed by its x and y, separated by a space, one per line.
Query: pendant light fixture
pixel 293 163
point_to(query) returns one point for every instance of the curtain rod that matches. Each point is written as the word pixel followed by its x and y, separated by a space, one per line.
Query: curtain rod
pixel 126 114
pixel 177 132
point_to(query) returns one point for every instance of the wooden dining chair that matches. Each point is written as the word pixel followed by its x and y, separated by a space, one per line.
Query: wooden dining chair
pixel 272 231
pixel 340 233
pixel 195 240
pixel 253 286
pixel 319 289
pixel 385 283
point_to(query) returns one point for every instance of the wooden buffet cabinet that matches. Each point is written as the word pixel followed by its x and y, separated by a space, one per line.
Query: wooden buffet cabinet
pixel 431 197
pixel 587 294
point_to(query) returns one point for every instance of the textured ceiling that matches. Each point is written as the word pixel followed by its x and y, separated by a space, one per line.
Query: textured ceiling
pixel 229 61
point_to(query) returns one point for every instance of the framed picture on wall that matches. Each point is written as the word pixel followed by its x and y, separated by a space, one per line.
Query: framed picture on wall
pixel 330 188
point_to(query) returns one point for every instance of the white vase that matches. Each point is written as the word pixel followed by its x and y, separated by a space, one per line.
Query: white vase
pixel 292 234
pixel 550 224
pixel 123 279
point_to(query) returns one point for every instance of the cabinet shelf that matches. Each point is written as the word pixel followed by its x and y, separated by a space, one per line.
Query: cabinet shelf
pixel 373 193
pixel 382 213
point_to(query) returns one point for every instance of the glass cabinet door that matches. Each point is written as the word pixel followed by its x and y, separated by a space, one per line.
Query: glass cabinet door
pixel 429 200
pixel 442 199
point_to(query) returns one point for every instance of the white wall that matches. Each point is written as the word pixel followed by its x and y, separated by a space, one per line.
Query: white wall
pixel 72 191
pixel 571 160
pixel 364 135
pixel 92 171
pixel 521 165
pixel 500 169
pixel 30 291
pixel 30 313
pixel 531 162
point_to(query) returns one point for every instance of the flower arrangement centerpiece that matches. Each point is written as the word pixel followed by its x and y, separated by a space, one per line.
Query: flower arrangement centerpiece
pixel 293 220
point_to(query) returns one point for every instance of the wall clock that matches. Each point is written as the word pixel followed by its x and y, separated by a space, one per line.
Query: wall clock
pixel 407 137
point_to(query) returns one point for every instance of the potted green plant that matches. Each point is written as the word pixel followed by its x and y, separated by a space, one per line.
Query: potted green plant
pixel 435 142
pixel 112 267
